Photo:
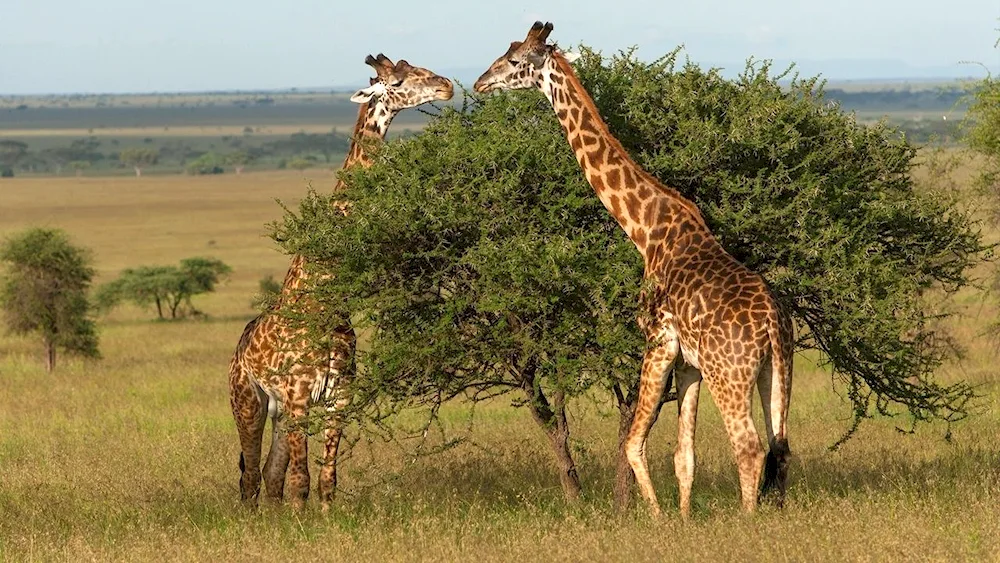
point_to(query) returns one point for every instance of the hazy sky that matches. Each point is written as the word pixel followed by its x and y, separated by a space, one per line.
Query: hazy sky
pixel 183 45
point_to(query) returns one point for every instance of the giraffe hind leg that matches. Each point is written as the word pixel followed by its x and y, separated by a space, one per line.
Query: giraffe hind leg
pixel 277 456
pixel 250 415
pixel 736 416
pixel 774 395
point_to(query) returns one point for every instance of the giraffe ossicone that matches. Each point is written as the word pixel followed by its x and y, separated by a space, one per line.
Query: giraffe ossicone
pixel 705 315
pixel 275 371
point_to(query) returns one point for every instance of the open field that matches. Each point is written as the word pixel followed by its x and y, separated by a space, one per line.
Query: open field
pixel 134 457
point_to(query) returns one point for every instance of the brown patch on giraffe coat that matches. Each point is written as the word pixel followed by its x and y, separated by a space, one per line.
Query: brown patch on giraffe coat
pixel 616 207
pixel 633 205
pixel 614 178
pixel 639 237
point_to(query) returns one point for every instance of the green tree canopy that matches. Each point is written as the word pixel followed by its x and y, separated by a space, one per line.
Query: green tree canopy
pixel 983 132
pixel 208 163
pixel 239 160
pixel 167 288
pixel 44 291
pixel 138 158
pixel 983 136
pixel 482 262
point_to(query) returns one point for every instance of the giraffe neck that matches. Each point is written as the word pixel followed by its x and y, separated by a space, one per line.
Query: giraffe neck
pixel 371 126
pixel 644 207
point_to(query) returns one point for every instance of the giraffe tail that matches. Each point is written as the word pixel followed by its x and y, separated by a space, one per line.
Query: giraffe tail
pixel 776 463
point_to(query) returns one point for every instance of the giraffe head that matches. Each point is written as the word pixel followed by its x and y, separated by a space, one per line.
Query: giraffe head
pixel 524 63
pixel 401 85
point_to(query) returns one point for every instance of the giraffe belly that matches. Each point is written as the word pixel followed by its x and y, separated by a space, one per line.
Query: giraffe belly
pixel 689 356
pixel 274 402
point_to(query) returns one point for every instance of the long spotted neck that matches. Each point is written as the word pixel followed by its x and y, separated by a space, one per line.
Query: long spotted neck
pixel 643 206
pixel 372 124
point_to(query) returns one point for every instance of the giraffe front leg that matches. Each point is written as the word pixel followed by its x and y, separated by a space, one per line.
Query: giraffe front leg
pixel 328 471
pixel 342 369
pixel 298 453
pixel 332 433
pixel 655 365
pixel 298 468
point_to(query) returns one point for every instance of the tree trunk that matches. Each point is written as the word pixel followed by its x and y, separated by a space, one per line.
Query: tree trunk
pixel 159 307
pixel 624 478
pixel 239 170
pixel 552 420
pixel 627 403
pixel 50 355
pixel 138 171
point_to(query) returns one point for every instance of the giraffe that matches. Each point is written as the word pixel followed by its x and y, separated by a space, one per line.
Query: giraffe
pixel 274 373
pixel 704 314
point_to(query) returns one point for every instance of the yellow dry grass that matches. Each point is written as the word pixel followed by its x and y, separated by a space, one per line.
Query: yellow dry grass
pixel 134 457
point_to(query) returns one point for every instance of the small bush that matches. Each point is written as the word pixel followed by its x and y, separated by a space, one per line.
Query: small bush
pixel 267 293
pixel 208 163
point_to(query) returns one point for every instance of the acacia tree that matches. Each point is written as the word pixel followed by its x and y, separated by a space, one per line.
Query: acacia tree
pixel 167 288
pixel 79 166
pixel 45 292
pixel 983 136
pixel 138 158
pixel 12 152
pixel 481 262
pixel 239 160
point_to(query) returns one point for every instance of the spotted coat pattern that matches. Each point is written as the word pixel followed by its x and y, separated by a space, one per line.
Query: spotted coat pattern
pixel 274 372
pixel 704 314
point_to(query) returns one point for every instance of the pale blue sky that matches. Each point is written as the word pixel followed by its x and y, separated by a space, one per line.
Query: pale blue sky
pixel 184 45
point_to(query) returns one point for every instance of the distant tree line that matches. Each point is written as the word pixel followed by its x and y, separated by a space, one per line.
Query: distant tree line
pixel 931 99
pixel 232 154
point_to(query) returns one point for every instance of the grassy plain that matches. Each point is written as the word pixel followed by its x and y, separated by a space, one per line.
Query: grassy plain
pixel 134 457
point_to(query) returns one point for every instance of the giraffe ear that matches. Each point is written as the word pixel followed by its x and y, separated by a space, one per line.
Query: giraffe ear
pixel 536 60
pixel 366 94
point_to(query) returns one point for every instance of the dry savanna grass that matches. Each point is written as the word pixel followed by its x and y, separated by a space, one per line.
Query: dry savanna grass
pixel 134 457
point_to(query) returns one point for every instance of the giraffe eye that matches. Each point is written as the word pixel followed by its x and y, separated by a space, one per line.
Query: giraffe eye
pixel 396 83
pixel 512 62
